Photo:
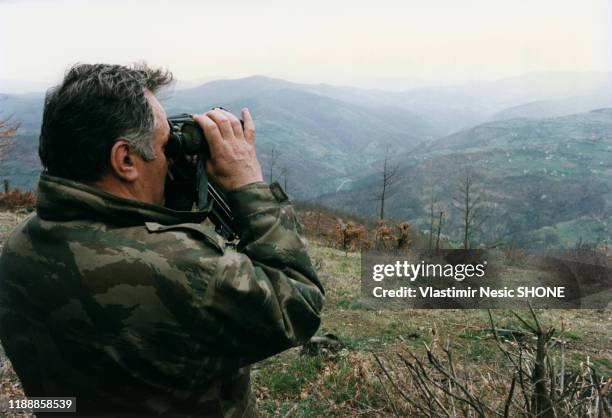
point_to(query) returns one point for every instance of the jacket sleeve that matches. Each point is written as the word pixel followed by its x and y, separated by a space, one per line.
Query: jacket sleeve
pixel 264 296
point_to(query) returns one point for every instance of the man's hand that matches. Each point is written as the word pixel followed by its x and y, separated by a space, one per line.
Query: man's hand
pixel 232 161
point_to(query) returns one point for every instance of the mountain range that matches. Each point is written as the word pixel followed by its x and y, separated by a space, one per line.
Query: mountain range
pixel 522 138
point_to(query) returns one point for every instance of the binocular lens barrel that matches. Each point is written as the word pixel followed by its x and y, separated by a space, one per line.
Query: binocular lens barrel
pixel 186 137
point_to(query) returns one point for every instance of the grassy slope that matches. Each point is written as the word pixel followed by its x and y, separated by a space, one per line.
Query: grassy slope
pixel 347 384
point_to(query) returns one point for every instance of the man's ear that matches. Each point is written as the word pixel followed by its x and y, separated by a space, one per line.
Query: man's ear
pixel 122 161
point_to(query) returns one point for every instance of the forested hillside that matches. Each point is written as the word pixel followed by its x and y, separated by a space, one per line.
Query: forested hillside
pixel 532 182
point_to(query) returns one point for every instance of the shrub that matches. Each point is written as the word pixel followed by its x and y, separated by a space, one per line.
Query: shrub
pixel 16 199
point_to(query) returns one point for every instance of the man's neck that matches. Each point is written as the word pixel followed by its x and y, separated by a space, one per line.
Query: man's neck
pixel 119 188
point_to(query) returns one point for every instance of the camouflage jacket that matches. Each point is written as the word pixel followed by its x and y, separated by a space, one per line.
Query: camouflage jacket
pixel 139 310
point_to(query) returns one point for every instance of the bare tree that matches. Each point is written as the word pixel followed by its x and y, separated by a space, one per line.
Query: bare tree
pixel 439 229
pixel 469 202
pixel 389 178
pixel 7 130
pixel 431 216
pixel 272 162
pixel 525 381
pixel 435 176
pixel 284 173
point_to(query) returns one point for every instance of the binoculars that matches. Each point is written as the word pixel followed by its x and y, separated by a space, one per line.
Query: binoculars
pixel 187 139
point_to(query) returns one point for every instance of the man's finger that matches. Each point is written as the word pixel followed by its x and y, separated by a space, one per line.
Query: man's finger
pixel 249 126
pixel 211 132
pixel 223 122
pixel 235 122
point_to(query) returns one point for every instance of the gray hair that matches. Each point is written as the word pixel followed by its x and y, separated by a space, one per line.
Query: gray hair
pixel 94 107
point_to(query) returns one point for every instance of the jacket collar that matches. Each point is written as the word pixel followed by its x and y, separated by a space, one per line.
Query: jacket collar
pixel 60 199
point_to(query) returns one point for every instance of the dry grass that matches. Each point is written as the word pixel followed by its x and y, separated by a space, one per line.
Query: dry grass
pixel 350 382
pixel 8 220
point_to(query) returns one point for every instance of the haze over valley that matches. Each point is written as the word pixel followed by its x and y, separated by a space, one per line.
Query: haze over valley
pixel 538 146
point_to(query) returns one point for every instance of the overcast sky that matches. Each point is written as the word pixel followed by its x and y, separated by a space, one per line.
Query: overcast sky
pixel 342 41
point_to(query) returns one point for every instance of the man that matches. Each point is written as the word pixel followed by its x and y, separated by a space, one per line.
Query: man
pixel 133 308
